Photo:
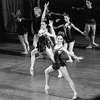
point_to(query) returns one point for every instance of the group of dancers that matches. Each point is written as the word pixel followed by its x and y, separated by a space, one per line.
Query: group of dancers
pixel 45 38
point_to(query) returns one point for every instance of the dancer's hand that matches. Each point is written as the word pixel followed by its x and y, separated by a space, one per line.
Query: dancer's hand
pixel 57 20
pixel 73 7
pixel 84 32
pixel 50 23
pixel 46 5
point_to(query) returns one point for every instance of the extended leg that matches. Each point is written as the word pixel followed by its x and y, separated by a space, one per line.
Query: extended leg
pixel 47 71
pixel 71 83
pixel 33 52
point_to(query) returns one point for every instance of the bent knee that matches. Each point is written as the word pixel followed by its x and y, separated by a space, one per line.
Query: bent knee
pixel 34 51
pixel 46 72
pixel 26 42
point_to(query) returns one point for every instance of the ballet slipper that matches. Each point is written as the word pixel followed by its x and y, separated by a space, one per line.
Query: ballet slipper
pixel 69 61
pixel 46 89
pixel 31 72
pixel 24 53
pixel 89 47
pixel 75 97
pixel 40 56
pixel 60 76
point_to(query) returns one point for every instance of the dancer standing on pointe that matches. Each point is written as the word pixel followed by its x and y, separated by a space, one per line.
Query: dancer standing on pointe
pixel 90 23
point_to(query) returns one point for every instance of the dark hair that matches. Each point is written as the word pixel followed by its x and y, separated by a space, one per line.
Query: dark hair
pixel 65 14
pixel 61 33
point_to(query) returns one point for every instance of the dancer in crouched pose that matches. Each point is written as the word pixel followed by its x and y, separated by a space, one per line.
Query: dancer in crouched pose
pixel 44 44
pixel 59 64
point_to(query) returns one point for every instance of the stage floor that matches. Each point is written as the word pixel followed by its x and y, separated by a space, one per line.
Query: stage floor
pixel 17 84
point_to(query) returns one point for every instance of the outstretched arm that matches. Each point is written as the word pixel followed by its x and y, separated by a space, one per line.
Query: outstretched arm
pixel 77 8
pixel 59 26
pixel 77 29
pixel 71 54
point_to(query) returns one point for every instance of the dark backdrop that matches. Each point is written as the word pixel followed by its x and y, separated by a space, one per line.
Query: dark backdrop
pixel 8 6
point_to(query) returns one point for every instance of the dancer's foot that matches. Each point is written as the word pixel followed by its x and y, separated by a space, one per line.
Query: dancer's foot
pixel 31 72
pixel 75 97
pixel 69 60
pixel 89 47
pixel 80 58
pixel 60 76
pixel 46 89
pixel 40 56
pixel 95 44
pixel 25 53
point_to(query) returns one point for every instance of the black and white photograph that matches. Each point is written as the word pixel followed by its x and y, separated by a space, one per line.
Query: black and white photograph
pixel 49 49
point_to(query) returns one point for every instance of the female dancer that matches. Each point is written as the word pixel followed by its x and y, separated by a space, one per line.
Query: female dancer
pixel 44 44
pixel 70 59
pixel 22 31
pixel 60 64
pixel 69 36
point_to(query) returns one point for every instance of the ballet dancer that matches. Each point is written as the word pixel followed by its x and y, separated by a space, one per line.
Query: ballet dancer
pixel 60 64
pixel 69 36
pixel 90 25
pixel 22 31
pixel 44 44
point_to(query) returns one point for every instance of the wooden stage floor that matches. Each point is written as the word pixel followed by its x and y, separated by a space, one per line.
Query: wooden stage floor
pixel 17 84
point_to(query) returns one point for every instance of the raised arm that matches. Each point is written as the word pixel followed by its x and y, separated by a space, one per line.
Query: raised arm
pixel 44 12
pixel 52 28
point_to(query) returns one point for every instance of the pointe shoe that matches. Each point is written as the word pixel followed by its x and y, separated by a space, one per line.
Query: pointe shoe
pixel 32 72
pixel 25 53
pixel 60 76
pixel 89 47
pixel 46 89
pixel 40 56
pixel 75 97
pixel 69 61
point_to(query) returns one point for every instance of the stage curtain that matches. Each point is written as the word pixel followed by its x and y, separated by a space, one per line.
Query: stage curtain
pixel 10 6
